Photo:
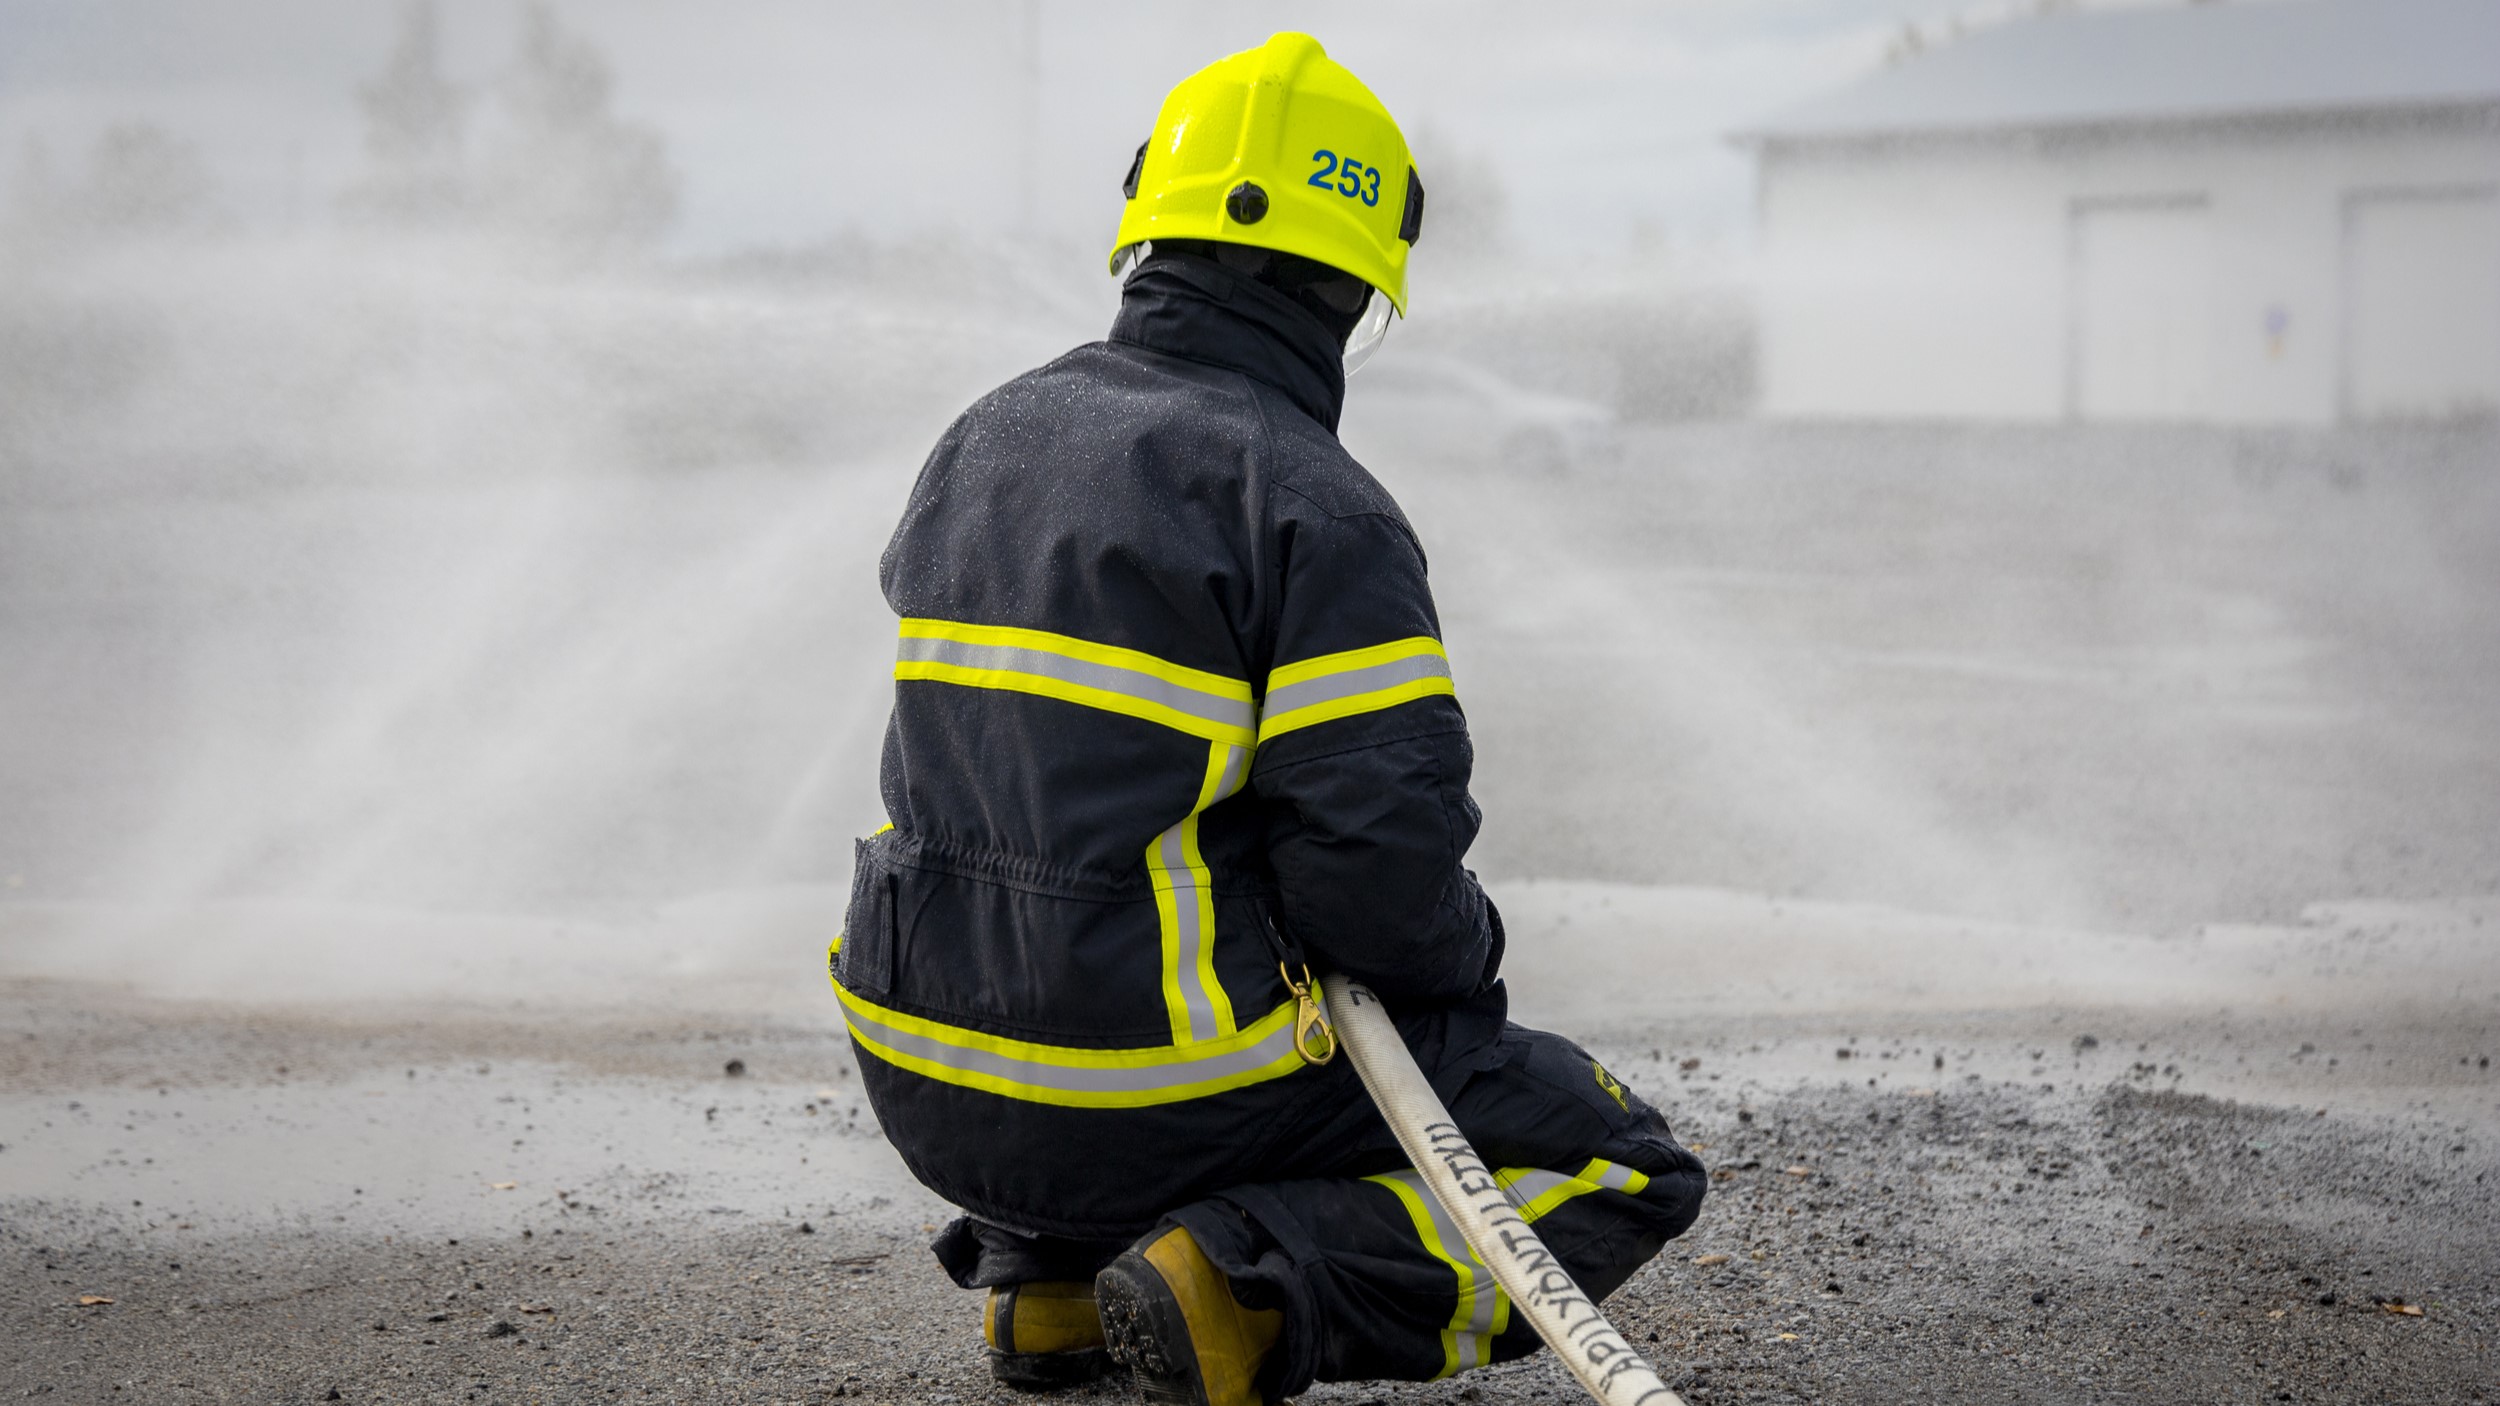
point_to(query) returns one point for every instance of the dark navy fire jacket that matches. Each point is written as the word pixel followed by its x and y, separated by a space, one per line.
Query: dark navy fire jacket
pixel 1171 712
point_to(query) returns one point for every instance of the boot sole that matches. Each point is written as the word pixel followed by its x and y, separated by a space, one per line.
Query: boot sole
pixel 1048 1371
pixel 1146 1332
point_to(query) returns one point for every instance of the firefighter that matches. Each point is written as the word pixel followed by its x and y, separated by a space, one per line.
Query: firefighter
pixel 1173 729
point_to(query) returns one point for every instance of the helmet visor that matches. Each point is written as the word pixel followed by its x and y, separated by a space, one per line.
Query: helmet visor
pixel 1369 332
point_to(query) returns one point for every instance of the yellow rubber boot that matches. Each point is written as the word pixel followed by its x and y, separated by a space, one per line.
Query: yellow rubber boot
pixel 1044 1335
pixel 1170 1316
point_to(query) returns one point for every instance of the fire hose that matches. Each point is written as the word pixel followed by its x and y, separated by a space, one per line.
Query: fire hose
pixel 1538 1285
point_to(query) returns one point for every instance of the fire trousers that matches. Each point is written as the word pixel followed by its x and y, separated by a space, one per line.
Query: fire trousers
pixel 1342 1236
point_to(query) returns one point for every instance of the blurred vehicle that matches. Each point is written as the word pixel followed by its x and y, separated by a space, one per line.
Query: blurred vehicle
pixel 1454 411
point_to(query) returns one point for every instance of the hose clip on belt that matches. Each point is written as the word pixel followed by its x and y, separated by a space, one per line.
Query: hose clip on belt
pixel 1313 1037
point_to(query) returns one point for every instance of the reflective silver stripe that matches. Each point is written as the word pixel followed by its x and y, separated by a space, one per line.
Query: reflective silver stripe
pixel 1084 673
pixel 1236 769
pixel 1614 1176
pixel 1172 865
pixel 1328 688
pixel 1536 1193
pixel 1176 866
pixel 1480 1311
pixel 1527 1186
pixel 1037 1074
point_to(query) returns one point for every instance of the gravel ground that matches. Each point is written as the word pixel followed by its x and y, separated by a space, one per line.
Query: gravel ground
pixel 2037 1205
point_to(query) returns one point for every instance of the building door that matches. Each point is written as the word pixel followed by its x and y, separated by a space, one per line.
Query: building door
pixel 2141 309
pixel 2422 305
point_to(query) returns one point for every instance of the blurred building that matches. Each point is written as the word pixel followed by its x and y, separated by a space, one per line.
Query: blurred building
pixel 2254 212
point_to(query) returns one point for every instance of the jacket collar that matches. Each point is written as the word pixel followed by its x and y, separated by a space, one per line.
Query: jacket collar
pixel 1201 310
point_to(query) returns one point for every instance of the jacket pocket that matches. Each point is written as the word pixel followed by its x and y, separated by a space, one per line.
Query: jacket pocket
pixel 866 965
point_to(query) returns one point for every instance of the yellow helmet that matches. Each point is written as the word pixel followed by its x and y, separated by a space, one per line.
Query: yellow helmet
pixel 1279 147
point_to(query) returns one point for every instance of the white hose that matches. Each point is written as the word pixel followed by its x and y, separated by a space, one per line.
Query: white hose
pixel 1537 1283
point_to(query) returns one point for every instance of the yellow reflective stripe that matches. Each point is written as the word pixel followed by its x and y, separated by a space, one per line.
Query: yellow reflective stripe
pixel 1482 1310
pixel 1547 1199
pixel 1332 686
pixel 1222 780
pixel 1109 655
pixel 1064 1056
pixel 1195 701
pixel 1535 1192
pixel 1614 1176
pixel 1321 666
pixel 1416 1211
pixel 1072 670
pixel 1068 1075
pixel 1169 918
pixel 1185 905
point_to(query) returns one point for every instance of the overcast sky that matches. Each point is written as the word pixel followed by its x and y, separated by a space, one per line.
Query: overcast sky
pixel 791 119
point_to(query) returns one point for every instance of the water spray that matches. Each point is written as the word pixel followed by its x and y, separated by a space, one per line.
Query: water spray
pixel 1536 1281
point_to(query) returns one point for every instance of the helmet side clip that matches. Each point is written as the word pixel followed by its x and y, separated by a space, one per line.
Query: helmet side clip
pixel 1246 203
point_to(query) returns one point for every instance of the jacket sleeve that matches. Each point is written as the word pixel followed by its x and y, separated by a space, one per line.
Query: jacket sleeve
pixel 1362 765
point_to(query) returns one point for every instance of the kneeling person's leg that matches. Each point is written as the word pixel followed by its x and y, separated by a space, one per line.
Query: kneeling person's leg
pixel 1043 1334
pixel 1040 1323
pixel 1373 1277
pixel 1172 1317
pixel 1591 1164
